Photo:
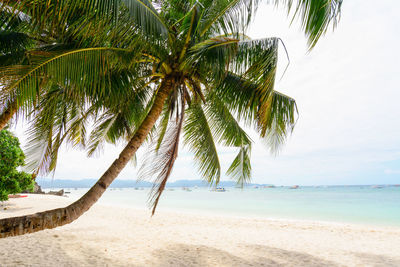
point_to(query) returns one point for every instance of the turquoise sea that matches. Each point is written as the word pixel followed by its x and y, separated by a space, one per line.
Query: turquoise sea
pixel 347 204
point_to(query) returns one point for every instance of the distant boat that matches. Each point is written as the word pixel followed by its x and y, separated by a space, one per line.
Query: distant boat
pixel 269 186
pixel 294 187
pixel 377 186
pixel 219 189
pixel 255 187
pixel 186 189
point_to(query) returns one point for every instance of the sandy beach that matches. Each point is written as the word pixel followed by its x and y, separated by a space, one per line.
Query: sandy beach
pixel 116 236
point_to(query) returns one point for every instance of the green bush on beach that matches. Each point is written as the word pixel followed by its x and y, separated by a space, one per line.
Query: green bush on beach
pixel 12 181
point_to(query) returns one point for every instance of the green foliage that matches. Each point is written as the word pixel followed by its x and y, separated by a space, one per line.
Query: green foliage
pixel 198 137
pixel 11 157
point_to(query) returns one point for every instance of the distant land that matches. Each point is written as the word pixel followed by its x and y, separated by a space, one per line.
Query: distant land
pixel 85 183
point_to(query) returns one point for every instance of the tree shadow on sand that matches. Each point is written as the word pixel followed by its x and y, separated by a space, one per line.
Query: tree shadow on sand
pixel 48 250
pixel 378 260
pixel 191 255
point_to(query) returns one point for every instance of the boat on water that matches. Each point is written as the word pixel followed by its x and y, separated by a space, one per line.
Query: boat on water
pixel 219 189
pixel 377 186
pixel 186 189
pixel 294 187
pixel 269 186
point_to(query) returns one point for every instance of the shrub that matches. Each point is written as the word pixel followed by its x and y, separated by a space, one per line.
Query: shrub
pixel 12 181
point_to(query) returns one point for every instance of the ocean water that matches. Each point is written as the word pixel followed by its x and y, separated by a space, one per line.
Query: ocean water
pixel 345 204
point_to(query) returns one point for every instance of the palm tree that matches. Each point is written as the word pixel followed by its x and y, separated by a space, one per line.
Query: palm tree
pixel 148 70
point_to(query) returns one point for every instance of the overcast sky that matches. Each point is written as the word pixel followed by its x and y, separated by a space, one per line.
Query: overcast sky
pixel 347 91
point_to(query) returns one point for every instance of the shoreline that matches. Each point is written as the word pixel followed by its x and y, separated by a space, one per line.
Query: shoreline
pixel 61 201
pixel 127 236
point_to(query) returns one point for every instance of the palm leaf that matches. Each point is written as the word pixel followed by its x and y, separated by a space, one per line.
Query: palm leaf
pixel 12 42
pixel 277 119
pixel 146 17
pixel 86 69
pixel 223 125
pixel 55 14
pixel 272 114
pixel 99 134
pixel 160 159
pixel 228 16
pixel 56 119
pixel 229 133
pixel 315 15
pixel 199 139
pixel 240 169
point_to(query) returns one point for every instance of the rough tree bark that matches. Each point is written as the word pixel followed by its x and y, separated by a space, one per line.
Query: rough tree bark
pixel 57 217
pixel 7 114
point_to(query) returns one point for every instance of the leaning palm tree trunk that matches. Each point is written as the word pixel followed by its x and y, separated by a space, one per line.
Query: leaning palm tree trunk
pixel 58 217
pixel 7 114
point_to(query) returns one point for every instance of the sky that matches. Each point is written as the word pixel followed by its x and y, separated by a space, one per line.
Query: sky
pixel 347 92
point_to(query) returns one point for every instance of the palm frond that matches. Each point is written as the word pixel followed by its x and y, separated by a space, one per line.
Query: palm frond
pixel 57 119
pixel 85 69
pixel 56 15
pixel 199 139
pixel 255 60
pixel 214 55
pixel 99 134
pixel 229 133
pixel 163 126
pixel 146 17
pixel 272 114
pixel 118 114
pixel 160 160
pixel 277 120
pixel 223 125
pixel 227 16
pixel 315 15
pixel 240 169
pixel 12 42
pixel 188 27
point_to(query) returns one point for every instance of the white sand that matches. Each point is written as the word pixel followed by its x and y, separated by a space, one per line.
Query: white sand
pixel 113 236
